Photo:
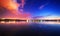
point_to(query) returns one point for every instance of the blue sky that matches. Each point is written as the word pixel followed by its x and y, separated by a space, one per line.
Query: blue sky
pixel 42 7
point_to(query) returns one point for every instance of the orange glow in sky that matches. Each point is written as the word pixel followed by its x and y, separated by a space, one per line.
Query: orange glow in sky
pixel 12 6
pixel 9 4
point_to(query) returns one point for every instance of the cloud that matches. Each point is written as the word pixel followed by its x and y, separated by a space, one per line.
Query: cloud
pixel 9 9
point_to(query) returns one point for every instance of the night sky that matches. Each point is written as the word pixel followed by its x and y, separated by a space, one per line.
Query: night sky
pixel 42 7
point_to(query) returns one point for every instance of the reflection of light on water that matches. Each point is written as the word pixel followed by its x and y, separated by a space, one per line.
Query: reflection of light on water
pixel 27 20
pixel 2 22
pixel 48 20
pixel 13 21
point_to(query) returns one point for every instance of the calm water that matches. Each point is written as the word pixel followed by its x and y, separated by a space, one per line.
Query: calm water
pixel 33 29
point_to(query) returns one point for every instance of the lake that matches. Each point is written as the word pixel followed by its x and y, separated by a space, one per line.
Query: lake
pixel 31 29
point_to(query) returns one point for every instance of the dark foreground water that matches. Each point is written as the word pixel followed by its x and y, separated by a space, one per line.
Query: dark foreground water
pixel 32 29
